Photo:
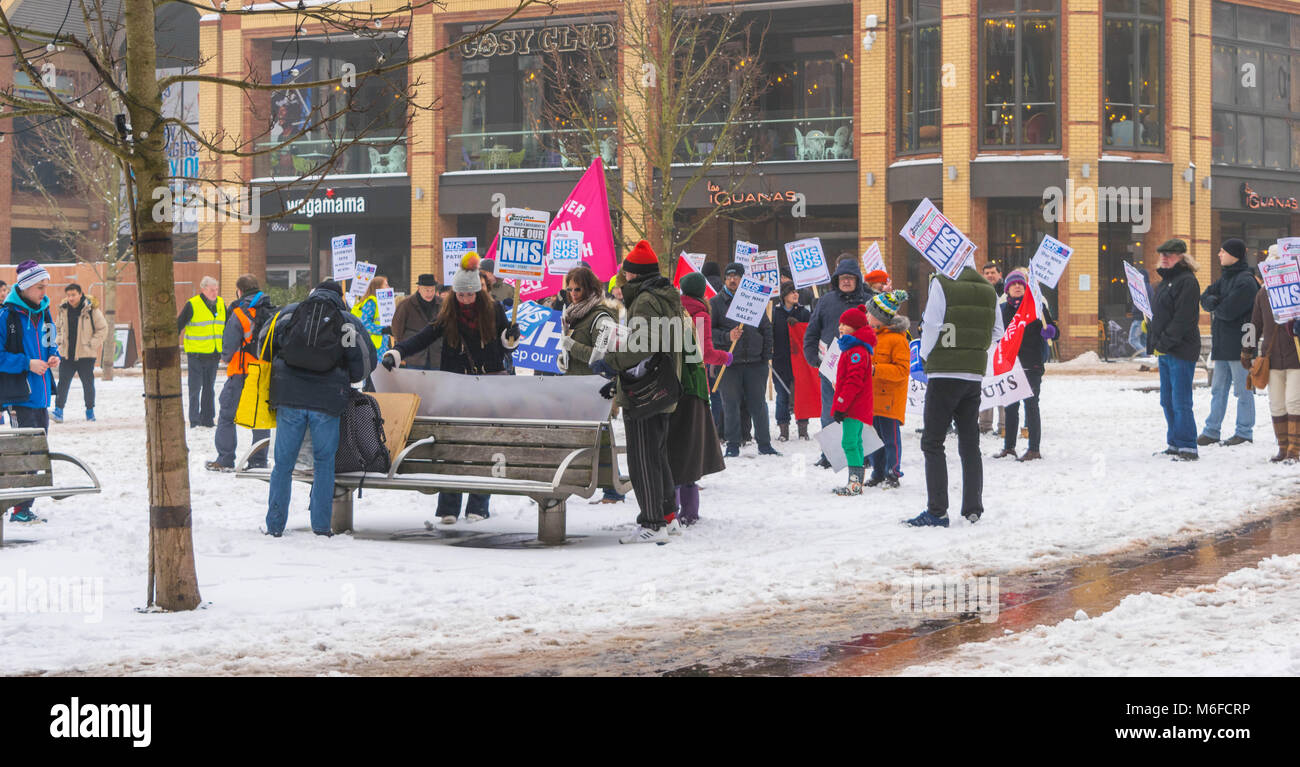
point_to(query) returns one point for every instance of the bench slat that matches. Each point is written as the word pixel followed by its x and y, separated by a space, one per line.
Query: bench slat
pixel 17 464
pixel 575 475
pixel 489 454
pixel 534 436
pixel 25 480
pixel 36 443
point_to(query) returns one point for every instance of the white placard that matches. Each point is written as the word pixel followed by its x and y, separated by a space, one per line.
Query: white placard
pixel 453 250
pixel 765 268
pixel 1006 389
pixel 343 250
pixel 1137 289
pixel 387 305
pixel 361 278
pixel 831 440
pixel 830 359
pixel 744 254
pixel 565 252
pixel 807 262
pixel 521 244
pixel 1282 281
pixel 938 240
pixel 750 302
pixel 696 259
pixel 872 259
pixel 1290 246
pixel 1049 262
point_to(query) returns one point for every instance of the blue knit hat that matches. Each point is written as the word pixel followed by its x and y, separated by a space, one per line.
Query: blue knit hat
pixel 884 306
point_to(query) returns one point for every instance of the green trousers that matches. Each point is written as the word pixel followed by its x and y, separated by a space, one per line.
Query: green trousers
pixel 851 441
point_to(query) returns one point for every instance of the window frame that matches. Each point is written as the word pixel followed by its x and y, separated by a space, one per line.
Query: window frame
pixel 913 27
pixel 1020 17
pixel 1137 17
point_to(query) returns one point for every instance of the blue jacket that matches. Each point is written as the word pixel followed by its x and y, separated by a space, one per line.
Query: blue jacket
pixel 35 333
pixel 825 323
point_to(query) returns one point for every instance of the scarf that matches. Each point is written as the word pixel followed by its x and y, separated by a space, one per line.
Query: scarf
pixel 573 313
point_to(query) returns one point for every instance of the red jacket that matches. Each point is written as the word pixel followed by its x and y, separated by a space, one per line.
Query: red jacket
pixel 698 309
pixel 853 395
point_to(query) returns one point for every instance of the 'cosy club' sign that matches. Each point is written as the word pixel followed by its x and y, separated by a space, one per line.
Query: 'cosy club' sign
pixel 561 39
pixel 1255 201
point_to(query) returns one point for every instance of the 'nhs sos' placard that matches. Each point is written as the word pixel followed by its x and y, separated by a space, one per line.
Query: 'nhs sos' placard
pixel 521 246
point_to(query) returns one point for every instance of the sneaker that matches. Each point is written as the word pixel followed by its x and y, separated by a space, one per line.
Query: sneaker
pixel 647 535
pixel 874 481
pixel 324 533
pixel 767 450
pixel 1236 439
pixel 891 482
pixel 1204 440
pixel 733 451
pixel 447 519
pixel 24 515
pixel 1171 450
pixel 218 466
pixel 674 528
pixel 90 414
pixel 926 519
pixel 56 415
pixel 475 517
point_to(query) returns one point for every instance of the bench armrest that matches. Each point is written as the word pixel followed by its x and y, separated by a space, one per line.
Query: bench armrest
pixel 556 481
pixel 81 464
pixel 242 463
pixel 392 470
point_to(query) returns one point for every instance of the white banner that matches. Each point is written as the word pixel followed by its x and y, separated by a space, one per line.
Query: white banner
pixel 872 259
pixel 453 250
pixel 343 249
pixel 1010 387
pixel 750 302
pixel 1137 289
pixel 807 262
pixel 565 253
pixel 938 240
pixel 1282 280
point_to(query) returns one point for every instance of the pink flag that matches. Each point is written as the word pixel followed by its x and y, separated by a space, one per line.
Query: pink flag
pixel 586 210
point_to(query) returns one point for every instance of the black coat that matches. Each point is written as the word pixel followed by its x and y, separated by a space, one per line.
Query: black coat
pixel 1033 347
pixel 472 356
pixel 755 344
pixel 1176 312
pixel 306 389
pixel 1231 298
pixel 781 337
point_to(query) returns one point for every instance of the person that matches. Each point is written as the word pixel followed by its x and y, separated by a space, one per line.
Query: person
pixel 713 273
pixel 471 345
pixel 202 321
pixel 964 311
pixel 586 321
pixel 1230 299
pixel 652 303
pixel 787 312
pixel 82 330
pixel 1031 359
pixel 499 290
pixel 26 363
pixel 745 379
pixel 367 310
pixel 1277 342
pixel 994 277
pixel 848 292
pixel 415 313
pixel 239 346
pixel 892 361
pixel 1174 335
pixel 311 398
pixel 854 391
pixel 4 290
pixel 877 281
pixel 692 441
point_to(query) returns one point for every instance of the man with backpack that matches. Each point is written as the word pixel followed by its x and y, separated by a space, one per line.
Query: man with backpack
pixel 250 311
pixel 318 349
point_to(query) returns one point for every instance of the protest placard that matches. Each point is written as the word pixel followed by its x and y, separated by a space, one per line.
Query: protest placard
pixel 1049 262
pixel 750 302
pixel 1282 281
pixel 1137 288
pixel 387 299
pixel 365 272
pixel 1005 389
pixel 696 259
pixel 565 252
pixel 539 338
pixel 831 440
pixel 807 262
pixel 343 249
pixel 453 250
pixel 830 359
pixel 521 244
pixel 1290 246
pixel 938 240
pixel 872 259
pixel 765 268
pixel 745 252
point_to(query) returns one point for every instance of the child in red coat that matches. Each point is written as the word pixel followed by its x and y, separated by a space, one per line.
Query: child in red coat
pixel 853 391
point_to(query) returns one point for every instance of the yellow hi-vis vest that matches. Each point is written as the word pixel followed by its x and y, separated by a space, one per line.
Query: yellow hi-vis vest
pixel 203 333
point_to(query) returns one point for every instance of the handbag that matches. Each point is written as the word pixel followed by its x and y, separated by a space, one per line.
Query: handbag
pixel 1259 368
pixel 255 411
pixel 653 392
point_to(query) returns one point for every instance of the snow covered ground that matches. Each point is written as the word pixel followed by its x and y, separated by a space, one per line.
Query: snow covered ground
pixel 772 534
pixel 1246 624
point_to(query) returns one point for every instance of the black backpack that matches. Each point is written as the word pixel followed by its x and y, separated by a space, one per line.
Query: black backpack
pixel 315 338
pixel 361 436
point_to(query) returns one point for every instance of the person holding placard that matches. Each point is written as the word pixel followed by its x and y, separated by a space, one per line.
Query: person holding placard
pixel 1276 344
pixel 852 406
pixel 786 313
pixel 892 363
pixel 824 325
pixel 367 310
pixel 1175 336
pixel 745 379
pixel 1031 359
pixel 1230 300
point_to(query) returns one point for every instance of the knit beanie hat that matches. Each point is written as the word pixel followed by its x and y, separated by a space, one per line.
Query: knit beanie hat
pixel 1016 277
pixel 1235 247
pixel 641 260
pixel 30 273
pixel 466 279
pixel 693 284
pixel 876 275
pixel 488 265
pixel 855 317
pixel 735 267
pixel 884 306
pixel 710 269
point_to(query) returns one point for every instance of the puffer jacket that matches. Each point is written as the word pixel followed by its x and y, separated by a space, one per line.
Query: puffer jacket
pixel 92 329
pixel 1230 299
pixel 325 392
pixel 853 387
pixel 893 360
pixel 825 323
pixel 754 345
pixel 646 298
pixel 31 326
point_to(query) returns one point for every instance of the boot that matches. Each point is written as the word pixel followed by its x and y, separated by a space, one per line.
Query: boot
pixel 855 483
pixel 784 436
pixel 803 428
pixel 1005 452
pixel 1293 444
pixel 1282 429
pixel 689 498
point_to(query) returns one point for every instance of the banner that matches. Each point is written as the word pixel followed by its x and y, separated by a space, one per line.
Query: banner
pixel 938 240
pixel 1006 389
pixel 765 269
pixel 387 299
pixel 343 250
pixel 1290 246
pixel 684 267
pixel 807 262
pixel 1049 262
pixel 1282 280
pixel 917 370
pixel 750 302
pixel 365 272
pixel 916 396
pixel 453 250
pixel 872 260
pixel 522 238
pixel 1007 349
pixel 539 338
pixel 697 259
pixel 1137 288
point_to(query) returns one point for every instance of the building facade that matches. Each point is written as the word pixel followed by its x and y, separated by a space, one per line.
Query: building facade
pixel 1112 125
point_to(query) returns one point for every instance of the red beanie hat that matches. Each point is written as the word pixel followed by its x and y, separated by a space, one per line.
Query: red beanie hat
pixel 641 260
pixel 855 318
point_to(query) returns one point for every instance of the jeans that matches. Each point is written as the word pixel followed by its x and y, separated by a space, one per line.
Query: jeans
pixel 1176 398
pixel 1033 419
pixel 29 418
pixel 291 425
pixel 784 397
pixel 84 369
pixel 203 386
pixel 746 383
pixel 226 439
pixel 449 504
pixel 1230 374
pixel 948 400
pixel 886 460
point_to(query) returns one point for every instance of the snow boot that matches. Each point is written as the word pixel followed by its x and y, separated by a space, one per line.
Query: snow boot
pixel 56 415
pixel 1283 433
pixel 1006 451
pixel 1235 440
pixel 647 535
pixel 855 483
pixel 217 466
pixel 823 462
pixel 926 519
pixel 1293 449
pixel 785 432
pixel 90 414
pixel 1203 441
pixel 1186 455
pixel 891 481
pixel 767 449
pixel 874 481
pixel 803 428
pixel 688 498
pixel 733 450
pixel 23 515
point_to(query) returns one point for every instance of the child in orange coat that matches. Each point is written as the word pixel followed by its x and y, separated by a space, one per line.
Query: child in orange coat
pixel 892 360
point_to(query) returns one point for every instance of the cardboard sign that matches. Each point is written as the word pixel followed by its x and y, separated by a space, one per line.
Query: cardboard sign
pixel 830 359
pixel 1049 262
pixel 539 340
pixel 1137 289
pixel 1282 280
pixel 365 272
pixel 807 262
pixel 521 244
pixel 1006 389
pixel 453 250
pixel 831 440
pixel 565 252
pixel 916 396
pixel 696 259
pixel 750 302
pixel 343 250
pixel 387 299
pixel 872 259
pixel 745 252
pixel 765 269
pixel 938 240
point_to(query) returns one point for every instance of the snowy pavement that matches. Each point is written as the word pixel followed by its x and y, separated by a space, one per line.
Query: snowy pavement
pixel 1246 624
pixel 772 535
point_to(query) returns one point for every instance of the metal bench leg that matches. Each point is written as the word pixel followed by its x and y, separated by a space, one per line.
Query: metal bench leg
pixel 341 519
pixel 550 520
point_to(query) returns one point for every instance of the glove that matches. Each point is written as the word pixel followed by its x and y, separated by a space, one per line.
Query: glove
pixel 791 321
pixel 512 332
pixel 1048 332
pixel 730 357
pixel 839 417
pixel 602 368
pixel 386 330
pixel 509 302
pixel 1247 360
pixel 391 359
pixel 607 391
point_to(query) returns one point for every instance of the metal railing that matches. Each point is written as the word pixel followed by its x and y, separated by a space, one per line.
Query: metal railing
pixel 370 155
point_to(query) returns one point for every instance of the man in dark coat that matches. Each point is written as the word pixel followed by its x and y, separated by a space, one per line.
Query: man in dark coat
pixel 414 314
pixel 847 292
pixel 1231 298
pixel 745 379
pixel 1174 335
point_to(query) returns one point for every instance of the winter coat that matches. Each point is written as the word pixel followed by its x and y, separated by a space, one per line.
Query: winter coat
pixel 650 300
pixel 853 387
pixel 701 316
pixel 33 326
pixel 410 317
pixel 1230 299
pixel 1282 352
pixel 586 330
pixel 1173 328
pixel 695 380
pixel 1031 342
pixel 471 357
pixel 325 392
pixel 754 345
pixel 824 325
pixel 92 329
pixel 892 361
pixel 781 320
pixel 238 340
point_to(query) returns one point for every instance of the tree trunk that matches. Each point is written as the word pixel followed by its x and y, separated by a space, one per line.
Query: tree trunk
pixel 109 352
pixel 168 456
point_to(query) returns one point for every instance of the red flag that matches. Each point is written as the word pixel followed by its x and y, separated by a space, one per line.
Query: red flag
pixel 685 267
pixel 1008 348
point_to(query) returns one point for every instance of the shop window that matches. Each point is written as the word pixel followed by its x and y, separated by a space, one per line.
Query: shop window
pixel 1020 53
pixel 919 73
pixel 1256 107
pixel 1134 40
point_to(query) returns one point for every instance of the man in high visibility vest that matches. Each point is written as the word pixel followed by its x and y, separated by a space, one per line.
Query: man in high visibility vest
pixel 248 313
pixel 202 321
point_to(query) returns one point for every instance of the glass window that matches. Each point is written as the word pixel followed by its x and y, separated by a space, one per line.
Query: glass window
pixel 1295 144
pixel 1133 56
pixel 919 73
pixel 1224 137
pixel 1277 82
pixel 1224 20
pixel 1224 69
pixel 1277 143
pixel 1020 50
pixel 1250 92
pixel 1256 107
pixel 1250 139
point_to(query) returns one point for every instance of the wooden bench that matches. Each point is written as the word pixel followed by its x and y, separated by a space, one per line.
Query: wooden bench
pixel 547 461
pixel 26 471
